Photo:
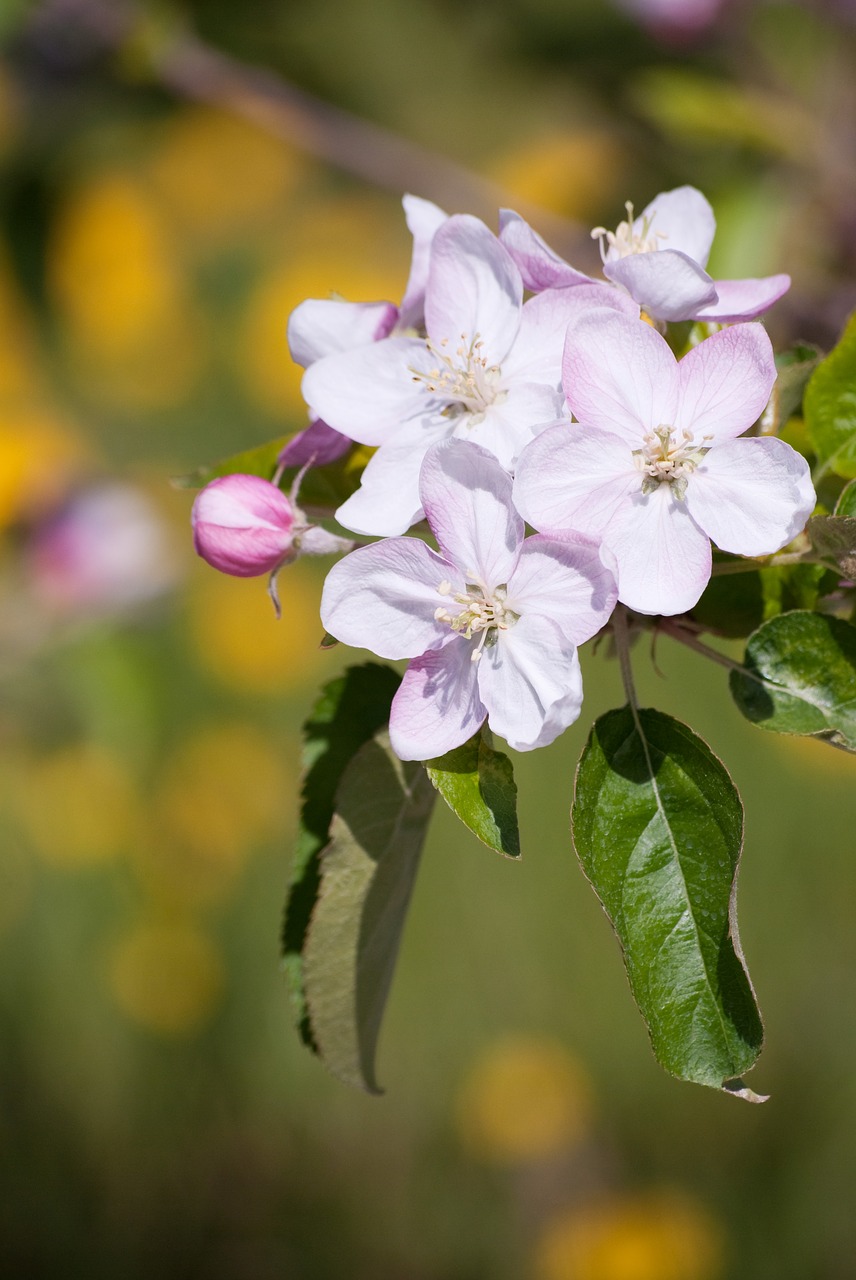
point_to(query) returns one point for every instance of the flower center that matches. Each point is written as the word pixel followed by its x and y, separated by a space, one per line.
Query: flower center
pixel 666 459
pixel 465 380
pixel 624 241
pixel 483 613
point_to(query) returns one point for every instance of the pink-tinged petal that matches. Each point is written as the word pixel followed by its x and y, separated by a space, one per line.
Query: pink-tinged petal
pixel 367 392
pixel 242 525
pixel 318 445
pixel 667 284
pixel 537 351
pixel 573 478
pixel 751 496
pixel 423 219
pixel 725 383
pixel 324 326
pixel 686 220
pixel 619 376
pixel 565 579
pixel 383 597
pixel 530 682
pixel 466 496
pixel 473 288
pixel 663 557
pixel 509 425
pixel 437 706
pixel 743 299
pixel 387 501
pixel 540 267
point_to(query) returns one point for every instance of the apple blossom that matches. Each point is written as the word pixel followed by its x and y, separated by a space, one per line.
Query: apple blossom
pixel 653 466
pixel 659 259
pixel 488 371
pixel 491 623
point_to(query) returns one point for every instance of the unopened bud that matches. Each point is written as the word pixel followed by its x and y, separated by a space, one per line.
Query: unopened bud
pixel 243 525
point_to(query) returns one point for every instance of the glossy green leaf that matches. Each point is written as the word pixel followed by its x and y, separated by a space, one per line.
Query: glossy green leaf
pixel 800 678
pixel 368 869
pixel 348 713
pixel 478 785
pixel 834 538
pixel 829 406
pixel 846 504
pixel 658 828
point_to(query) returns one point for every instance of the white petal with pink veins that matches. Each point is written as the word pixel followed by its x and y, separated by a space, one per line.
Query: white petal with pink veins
pixel 323 326
pixel 725 383
pixel 573 478
pixel 367 392
pixel 663 557
pixel 685 218
pixel 669 285
pixel 474 288
pixel 743 299
pixel 565 579
pixel 437 706
pixel 530 670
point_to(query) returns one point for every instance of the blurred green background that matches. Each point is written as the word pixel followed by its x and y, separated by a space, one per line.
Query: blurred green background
pixel 160 215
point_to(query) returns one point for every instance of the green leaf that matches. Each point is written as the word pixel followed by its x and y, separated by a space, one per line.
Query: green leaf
pixel 846 504
pixel 368 869
pixel 800 678
pixel 731 604
pixel 478 785
pixel 348 713
pixel 829 405
pixel 794 367
pixel 658 828
pixel 834 538
pixel 259 461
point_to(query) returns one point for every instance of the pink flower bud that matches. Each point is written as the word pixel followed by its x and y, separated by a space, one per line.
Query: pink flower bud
pixel 243 525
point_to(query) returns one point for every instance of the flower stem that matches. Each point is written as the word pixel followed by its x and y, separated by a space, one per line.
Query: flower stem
pixel 765 562
pixel 622 648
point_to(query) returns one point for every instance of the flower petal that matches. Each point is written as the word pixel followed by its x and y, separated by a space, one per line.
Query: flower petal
pixel 667 284
pixel 725 382
pixel 540 267
pixel 743 299
pixel 387 501
pixel 383 597
pixel 530 682
pixel 508 426
pixel 466 495
pixel 423 219
pixel 686 219
pixel 565 579
pixel 367 392
pixel 619 375
pixel 437 706
pixel 751 496
pixel 537 351
pixel 473 288
pixel 663 556
pixel 571 477
pixel 318 445
pixel 323 326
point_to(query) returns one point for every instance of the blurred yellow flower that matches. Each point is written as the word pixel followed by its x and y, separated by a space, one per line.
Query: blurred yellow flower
pixel 239 639
pixel 220 793
pixel 573 174
pixel 38 454
pixel 219 175
pixel 77 805
pixel 133 336
pixel 524 1098
pixel 168 976
pixel 661 1235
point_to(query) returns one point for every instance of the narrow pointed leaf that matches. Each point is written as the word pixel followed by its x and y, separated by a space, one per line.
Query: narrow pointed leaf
pixel 800 678
pixel 829 406
pixel 368 869
pixel 658 828
pixel 478 785
pixel 348 713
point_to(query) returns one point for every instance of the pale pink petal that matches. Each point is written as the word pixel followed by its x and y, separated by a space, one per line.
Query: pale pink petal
pixel 743 299
pixel 387 501
pixel 318 445
pixel 437 706
pixel 367 392
pixel 725 383
pixel 242 525
pixel 663 557
pixel 751 496
pixel 537 351
pixel 466 496
pixel 532 671
pixel 573 478
pixel 508 425
pixel 423 219
pixel 564 578
pixel 619 375
pixel 323 326
pixel 473 288
pixel 686 220
pixel 540 267
pixel 383 597
pixel 667 284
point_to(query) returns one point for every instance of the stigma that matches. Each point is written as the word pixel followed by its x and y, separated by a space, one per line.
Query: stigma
pixel 624 241
pixel 669 458
pixel 465 379
pixel 484 613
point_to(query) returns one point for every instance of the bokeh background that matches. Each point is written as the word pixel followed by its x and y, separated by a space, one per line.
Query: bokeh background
pixel 176 177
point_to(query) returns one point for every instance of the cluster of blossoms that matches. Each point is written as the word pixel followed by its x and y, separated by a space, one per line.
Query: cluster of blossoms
pixel 566 409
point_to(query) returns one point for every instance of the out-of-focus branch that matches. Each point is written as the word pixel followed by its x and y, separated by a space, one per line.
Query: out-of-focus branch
pixel 181 62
